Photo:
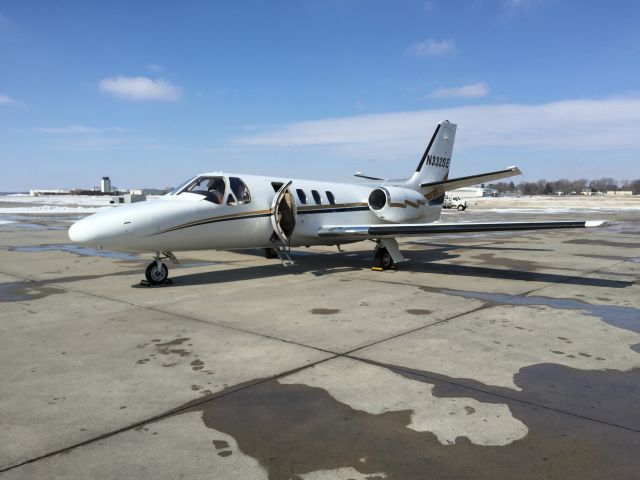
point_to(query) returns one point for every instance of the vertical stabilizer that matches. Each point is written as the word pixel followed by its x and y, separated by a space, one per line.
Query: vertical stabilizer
pixel 436 160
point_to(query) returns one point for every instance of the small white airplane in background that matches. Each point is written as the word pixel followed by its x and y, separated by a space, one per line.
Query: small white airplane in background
pixel 218 211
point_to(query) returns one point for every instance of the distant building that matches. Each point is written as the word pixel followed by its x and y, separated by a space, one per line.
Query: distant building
pixel 105 185
pixel 588 191
pixel 474 192
pixel 619 193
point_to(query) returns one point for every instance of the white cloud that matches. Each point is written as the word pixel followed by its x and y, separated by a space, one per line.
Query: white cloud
pixel 432 47
pixel 155 67
pixel 78 130
pixel 608 124
pixel 140 88
pixel 473 90
pixel 7 100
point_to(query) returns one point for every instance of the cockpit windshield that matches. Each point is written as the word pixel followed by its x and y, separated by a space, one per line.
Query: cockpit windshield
pixel 177 189
pixel 212 188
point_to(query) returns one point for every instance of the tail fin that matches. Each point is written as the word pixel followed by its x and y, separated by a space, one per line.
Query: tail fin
pixel 435 162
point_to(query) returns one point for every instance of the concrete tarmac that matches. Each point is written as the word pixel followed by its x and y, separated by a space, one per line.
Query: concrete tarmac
pixel 511 355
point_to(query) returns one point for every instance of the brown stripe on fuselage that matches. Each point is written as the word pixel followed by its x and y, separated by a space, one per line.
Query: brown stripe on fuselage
pixel 305 208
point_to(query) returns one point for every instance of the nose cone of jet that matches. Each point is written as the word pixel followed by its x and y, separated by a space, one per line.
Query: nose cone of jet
pixel 95 229
pixel 82 232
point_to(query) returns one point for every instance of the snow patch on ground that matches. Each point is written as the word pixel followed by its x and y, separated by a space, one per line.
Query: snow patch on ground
pixel 50 209
pixel 58 199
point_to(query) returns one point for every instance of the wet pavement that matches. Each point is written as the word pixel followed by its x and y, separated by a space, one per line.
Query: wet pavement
pixel 485 356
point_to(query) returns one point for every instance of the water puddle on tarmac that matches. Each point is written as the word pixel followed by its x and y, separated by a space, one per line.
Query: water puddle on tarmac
pixel 25 291
pixel 621 317
pixel 295 430
pixel 76 249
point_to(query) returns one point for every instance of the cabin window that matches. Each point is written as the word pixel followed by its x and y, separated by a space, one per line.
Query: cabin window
pixel 239 190
pixel 301 196
pixel 212 188
pixel 330 197
pixel 316 197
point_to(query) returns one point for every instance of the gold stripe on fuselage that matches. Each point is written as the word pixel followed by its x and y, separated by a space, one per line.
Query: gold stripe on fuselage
pixel 253 213
pixel 306 208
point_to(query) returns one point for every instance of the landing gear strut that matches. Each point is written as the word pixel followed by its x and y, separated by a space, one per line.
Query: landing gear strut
pixel 157 272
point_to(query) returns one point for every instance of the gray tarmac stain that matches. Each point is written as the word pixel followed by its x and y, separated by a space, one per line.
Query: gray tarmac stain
pixel 602 243
pixel 418 311
pixel 621 317
pixel 166 347
pixel 636 347
pixel 492 259
pixel 605 257
pixel 171 343
pixel 25 291
pixel 197 365
pixel 220 444
pixel 296 429
pixel 324 311
pixel 604 395
pixel 75 249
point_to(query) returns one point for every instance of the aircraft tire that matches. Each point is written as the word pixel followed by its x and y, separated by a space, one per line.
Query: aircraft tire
pixel 461 208
pixel 387 261
pixel 382 259
pixel 155 276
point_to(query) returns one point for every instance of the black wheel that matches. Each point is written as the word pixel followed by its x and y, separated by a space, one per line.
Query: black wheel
pixel 387 261
pixel 382 259
pixel 270 253
pixel 461 208
pixel 156 276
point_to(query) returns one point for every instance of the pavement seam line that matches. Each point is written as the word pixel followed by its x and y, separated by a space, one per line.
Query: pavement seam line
pixel 179 315
pixel 162 416
pixel 494 394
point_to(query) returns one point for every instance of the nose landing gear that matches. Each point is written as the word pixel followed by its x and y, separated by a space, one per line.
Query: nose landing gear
pixel 157 272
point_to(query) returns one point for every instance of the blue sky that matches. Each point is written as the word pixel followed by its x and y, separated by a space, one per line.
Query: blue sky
pixel 151 93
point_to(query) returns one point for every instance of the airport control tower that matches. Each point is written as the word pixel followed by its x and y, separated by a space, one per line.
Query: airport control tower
pixel 105 185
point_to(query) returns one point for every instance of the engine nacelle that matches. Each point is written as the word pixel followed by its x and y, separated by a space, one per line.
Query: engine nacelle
pixel 397 204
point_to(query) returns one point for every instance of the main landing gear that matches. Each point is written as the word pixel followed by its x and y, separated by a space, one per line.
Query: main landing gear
pixel 386 255
pixel 382 260
pixel 157 272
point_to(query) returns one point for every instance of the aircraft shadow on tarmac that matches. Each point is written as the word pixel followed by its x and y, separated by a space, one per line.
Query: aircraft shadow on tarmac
pixel 421 261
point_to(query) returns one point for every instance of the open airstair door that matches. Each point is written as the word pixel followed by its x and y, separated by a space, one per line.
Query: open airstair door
pixel 283 214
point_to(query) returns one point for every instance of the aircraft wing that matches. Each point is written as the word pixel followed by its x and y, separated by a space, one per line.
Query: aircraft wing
pixel 419 229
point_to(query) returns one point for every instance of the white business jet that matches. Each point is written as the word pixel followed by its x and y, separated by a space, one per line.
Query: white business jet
pixel 218 211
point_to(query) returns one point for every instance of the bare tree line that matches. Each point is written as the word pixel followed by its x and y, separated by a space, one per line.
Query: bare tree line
pixel 565 186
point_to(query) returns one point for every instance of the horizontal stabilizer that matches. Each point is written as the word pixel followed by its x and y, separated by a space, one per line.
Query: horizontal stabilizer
pixel 402 230
pixel 362 175
pixel 472 179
